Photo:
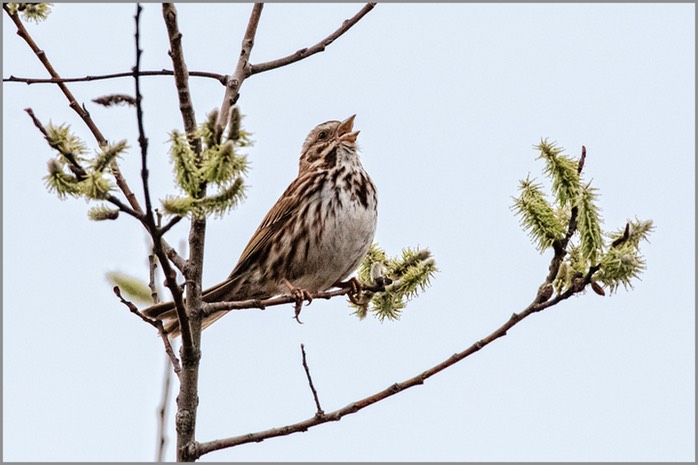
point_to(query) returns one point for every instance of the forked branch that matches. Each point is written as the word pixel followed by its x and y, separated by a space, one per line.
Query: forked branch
pixel 313 49
pixel 242 68
pixel 157 324
pixel 245 69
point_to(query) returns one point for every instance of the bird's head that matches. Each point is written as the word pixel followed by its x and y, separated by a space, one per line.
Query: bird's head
pixel 328 142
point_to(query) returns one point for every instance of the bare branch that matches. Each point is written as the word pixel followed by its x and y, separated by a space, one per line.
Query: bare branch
pixel 319 411
pixel 345 288
pixel 162 415
pixel 98 77
pixel 215 307
pixel 169 224
pixel 79 109
pixel 173 256
pixel 124 208
pixel 160 247
pixel 157 324
pixel 189 316
pixel 152 265
pixel 181 74
pixel 41 55
pixel 242 69
pixel 142 139
pixel 319 47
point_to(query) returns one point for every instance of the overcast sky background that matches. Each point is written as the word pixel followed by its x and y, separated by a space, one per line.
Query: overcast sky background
pixel 450 100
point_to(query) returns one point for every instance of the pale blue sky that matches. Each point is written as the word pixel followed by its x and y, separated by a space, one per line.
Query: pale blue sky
pixel 449 100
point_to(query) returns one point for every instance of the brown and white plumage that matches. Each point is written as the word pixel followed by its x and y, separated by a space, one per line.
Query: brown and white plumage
pixel 315 235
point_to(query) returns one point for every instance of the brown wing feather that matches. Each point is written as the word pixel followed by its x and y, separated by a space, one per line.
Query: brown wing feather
pixel 285 207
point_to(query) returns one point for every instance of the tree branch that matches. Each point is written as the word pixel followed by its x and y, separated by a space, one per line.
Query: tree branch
pixel 169 224
pixel 215 307
pixel 162 415
pixel 319 411
pixel 242 69
pixel 80 110
pixel 163 72
pixel 142 139
pixel 336 415
pixel 79 171
pixel 319 47
pixel 541 301
pixel 189 316
pixel 181 75
pixel 157 324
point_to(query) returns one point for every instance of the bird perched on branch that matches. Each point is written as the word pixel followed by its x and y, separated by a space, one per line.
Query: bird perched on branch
pixel 313 237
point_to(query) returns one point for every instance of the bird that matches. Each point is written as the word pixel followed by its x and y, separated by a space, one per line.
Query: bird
pixel 315 235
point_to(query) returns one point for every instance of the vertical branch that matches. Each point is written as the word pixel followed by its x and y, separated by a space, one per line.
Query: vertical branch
pixel 242 69
pixel 162 413
pixel 181 74
pixel 151 283
pixel 190 318
pixel 142 139
pixel 319 412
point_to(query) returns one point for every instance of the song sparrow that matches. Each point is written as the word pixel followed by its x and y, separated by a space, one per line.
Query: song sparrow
pixel 315 235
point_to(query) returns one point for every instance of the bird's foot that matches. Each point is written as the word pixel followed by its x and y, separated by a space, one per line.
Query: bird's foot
pixel 300 295
pixel 354 287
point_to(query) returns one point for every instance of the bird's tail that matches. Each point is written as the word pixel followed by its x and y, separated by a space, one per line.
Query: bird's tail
pixel 166 312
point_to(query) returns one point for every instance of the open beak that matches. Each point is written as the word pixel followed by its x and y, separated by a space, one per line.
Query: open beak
pixel 345 130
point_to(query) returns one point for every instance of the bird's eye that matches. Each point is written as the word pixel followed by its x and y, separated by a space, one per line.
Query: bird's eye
pixel 322 135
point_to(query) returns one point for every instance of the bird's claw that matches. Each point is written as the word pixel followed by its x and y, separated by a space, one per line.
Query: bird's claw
pixel 300 295
pixel 354 287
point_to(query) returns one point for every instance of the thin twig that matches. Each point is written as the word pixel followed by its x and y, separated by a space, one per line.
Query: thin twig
pixel 215 307
pixel 73 164
pixel 181 75
pixel 169 224
pixel 345 288
pixel 157 324
pixel 162 414
pixel 79 109
pixel 41 55
pixel 171 283
pixel 152 265
pixel 173 256
pixel 98 77
pixel 319 47
pixel 142 139
pixel 242 69
pixel 319 411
